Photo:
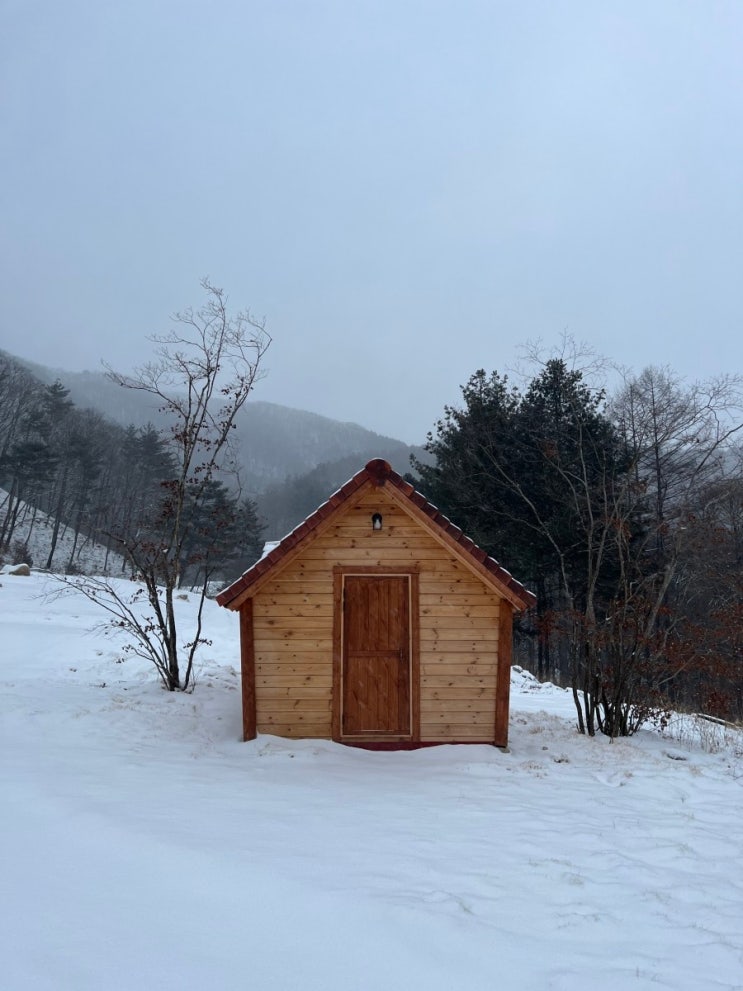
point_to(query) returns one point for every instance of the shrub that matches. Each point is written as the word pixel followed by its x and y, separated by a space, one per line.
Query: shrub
pixel 20 553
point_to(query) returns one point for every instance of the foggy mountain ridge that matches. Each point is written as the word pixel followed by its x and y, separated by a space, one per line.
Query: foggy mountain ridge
pixel 273 442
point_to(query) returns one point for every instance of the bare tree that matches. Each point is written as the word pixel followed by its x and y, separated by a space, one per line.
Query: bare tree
pixel 205 369
pixel 679 441
pixel 594 503
pixel 628 629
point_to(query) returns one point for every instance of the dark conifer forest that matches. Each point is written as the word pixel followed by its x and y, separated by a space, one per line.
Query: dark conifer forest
pixel 102 481
pixel 624 513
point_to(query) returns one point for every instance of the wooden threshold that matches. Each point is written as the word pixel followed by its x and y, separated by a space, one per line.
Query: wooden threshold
pixel 388 745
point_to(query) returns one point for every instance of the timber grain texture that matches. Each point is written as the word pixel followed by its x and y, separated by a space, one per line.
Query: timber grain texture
pixel 458 623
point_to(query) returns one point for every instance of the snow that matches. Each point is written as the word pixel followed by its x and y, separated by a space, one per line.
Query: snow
pixel 35 528
pixel 145 847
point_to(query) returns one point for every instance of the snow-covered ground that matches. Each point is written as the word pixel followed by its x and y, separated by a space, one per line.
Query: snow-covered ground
pixel 35 530
pixel 143 847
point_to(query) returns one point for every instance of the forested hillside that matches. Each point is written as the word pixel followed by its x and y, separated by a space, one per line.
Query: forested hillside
pixel 91 455
pixel 102 481
pixel 272 442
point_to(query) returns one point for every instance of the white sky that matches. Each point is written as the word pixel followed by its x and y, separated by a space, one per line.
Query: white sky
pixel 406 190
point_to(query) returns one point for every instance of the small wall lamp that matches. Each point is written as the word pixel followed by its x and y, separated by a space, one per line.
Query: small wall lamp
pixel 377 521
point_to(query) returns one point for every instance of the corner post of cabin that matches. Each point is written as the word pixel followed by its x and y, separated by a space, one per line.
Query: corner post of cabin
pixel 247 664
pixel 336 703
pixel 503 682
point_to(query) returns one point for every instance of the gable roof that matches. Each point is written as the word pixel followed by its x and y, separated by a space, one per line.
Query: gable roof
pixel 379 473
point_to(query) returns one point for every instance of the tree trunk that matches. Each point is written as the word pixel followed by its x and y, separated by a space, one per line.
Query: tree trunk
pixel 57 518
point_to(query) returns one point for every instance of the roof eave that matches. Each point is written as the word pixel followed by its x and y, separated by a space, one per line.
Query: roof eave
pixel 379 473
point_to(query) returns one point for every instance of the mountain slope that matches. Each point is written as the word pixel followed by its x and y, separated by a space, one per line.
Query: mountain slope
pixel 273 441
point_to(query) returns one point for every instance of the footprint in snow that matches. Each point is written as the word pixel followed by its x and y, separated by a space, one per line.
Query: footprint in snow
pixel 614 780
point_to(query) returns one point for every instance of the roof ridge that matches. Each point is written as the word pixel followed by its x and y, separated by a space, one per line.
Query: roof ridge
pixel 379 472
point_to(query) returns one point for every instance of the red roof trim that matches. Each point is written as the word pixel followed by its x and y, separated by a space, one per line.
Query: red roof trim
pixel 380 473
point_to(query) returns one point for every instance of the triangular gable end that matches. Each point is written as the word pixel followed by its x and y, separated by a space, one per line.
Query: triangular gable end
pixel 378 473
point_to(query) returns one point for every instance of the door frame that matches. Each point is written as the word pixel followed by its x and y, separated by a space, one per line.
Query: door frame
pixel 340 572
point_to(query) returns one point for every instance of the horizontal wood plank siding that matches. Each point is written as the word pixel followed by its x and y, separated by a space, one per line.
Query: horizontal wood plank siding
pixel 293 622
pixel 459 654
pixel 458 626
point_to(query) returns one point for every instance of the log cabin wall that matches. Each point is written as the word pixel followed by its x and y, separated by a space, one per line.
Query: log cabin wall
pixel 458 616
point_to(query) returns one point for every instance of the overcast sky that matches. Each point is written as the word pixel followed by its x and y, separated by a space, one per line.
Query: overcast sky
pixel 407 191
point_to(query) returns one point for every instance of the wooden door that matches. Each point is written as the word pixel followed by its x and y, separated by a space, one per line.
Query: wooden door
pixel 376 675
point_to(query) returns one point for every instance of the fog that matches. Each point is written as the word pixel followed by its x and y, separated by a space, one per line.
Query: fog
pixel 407 191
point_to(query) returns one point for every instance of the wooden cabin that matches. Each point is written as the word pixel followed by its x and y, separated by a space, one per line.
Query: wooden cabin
pixel 376 622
